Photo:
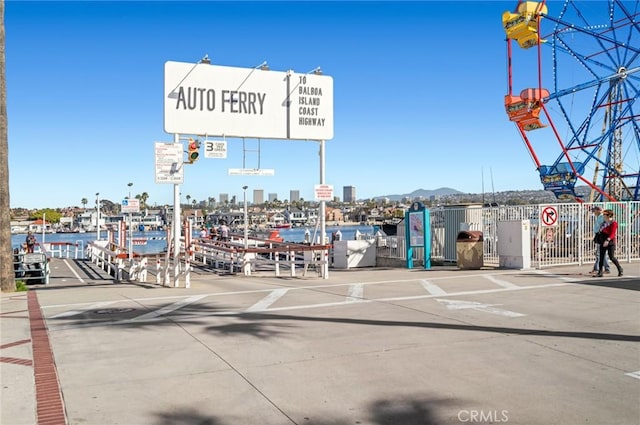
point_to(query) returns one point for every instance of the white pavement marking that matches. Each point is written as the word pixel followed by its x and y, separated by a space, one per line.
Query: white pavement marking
pixel 556 276
pixel 500 282
pixel 356 293
pixel 308 306
pixel 432 288
pixel 73 271
pixel 299 288
pixel 264 303
pixel 168 309
pixel 488 308
pixel 89 307
pixel 634 374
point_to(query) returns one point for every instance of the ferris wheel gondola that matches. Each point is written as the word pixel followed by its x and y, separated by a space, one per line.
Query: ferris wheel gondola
pixel 581 67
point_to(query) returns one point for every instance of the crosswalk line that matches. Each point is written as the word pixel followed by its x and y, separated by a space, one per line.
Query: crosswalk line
pixel 168 309
pixel 432 288
pixel 500 282
pixel 355 294
pixel 81 311
pixel 264 303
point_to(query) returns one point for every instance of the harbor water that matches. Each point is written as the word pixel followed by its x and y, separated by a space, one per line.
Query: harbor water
pixel 157 240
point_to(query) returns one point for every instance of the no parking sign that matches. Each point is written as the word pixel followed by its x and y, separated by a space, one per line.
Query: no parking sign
pixel 549 216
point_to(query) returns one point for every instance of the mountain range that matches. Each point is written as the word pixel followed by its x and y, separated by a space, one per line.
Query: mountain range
pixel 424 193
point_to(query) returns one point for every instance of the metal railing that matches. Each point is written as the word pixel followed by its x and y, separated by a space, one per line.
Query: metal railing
pixel 259 256
pixel 568 240
pixel 32 267
pixel 66 249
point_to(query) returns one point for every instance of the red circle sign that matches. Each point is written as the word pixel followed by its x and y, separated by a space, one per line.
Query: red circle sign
pixel 549 216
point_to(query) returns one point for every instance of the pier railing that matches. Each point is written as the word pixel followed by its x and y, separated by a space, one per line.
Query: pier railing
pixel 259 256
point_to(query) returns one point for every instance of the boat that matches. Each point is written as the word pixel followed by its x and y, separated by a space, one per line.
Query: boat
pixel 274 236
pixel 390 226
pixel 283 226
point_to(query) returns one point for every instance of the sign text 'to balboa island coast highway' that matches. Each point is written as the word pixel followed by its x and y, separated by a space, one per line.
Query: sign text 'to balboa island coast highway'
pixel 226 101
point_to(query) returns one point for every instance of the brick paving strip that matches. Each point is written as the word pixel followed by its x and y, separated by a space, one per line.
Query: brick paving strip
pixel 49 405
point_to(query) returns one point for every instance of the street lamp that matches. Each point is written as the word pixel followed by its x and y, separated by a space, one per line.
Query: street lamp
pixel 246 221
pixel 130 228
pixel 97 216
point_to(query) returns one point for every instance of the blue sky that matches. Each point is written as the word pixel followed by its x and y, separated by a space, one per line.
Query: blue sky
pixel 418 96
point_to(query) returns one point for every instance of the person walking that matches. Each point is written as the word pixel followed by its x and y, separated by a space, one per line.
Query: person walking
pixel 597 224
pixel 30 241
pixel 223 231
pixel 609 231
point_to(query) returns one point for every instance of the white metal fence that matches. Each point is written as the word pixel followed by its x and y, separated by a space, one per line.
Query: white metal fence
pixel 566 240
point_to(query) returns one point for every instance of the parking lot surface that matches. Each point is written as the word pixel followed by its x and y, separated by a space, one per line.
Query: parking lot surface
pixel 366 346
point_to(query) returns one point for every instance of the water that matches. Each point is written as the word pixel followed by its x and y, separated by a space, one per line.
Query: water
pixel 296 234
pixel 154 246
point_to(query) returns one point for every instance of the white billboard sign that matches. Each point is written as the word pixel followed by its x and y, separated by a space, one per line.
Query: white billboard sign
pixel 225 101
pixel 169 159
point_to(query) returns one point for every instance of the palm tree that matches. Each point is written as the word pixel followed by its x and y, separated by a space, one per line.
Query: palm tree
pixel 7 277
pixel 143 199
pixel 84 203
pixel 188 198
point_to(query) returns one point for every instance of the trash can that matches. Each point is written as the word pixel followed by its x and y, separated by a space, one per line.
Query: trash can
pixel 469 250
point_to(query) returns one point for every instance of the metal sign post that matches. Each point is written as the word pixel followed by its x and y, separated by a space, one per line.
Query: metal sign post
pixel 130 206
pixel 176 223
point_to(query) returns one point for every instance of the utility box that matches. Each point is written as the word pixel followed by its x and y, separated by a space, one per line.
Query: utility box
pixel 357 253
pixel 469 250
pixel 514 244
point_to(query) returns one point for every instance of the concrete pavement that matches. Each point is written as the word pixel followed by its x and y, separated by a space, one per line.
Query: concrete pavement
pixel 366 346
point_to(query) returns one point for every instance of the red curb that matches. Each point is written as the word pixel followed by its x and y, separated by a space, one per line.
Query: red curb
pixel 49 403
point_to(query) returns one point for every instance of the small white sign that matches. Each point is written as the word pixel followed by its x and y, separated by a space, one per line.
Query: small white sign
pixel 130 206
pixel 251 172
pixel 324 192
pixel 169 159
pixel 215 149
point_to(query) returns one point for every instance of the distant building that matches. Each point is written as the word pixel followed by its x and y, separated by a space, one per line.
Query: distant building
pixel 273 197
pixel 349 193
pixel 224 198
pixel 294 195
pixel 258 196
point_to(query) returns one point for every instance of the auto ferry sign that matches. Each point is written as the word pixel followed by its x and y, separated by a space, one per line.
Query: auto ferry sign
pixel 225 101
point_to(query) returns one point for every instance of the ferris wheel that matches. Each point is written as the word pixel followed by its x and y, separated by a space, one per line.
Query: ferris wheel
pixel 576 107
